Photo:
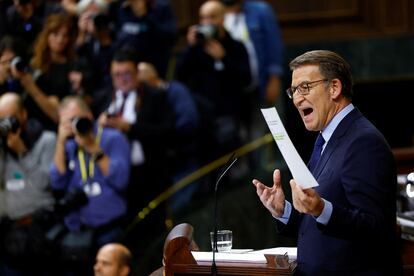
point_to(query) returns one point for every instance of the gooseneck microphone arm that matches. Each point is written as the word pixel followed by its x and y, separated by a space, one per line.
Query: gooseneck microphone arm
pixel 226 168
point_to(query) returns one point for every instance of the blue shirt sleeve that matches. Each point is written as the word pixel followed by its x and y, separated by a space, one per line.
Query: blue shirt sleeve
pixel 325 216
pixel 286 214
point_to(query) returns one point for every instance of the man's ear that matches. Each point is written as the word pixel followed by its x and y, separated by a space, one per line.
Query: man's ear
pixel 336 88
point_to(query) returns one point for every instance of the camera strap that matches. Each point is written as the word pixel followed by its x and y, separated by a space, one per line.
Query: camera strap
pixel 82 164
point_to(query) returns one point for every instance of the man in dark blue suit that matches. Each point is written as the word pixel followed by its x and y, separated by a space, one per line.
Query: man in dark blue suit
pixel 346 225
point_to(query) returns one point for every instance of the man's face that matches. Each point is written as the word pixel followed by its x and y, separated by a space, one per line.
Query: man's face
pixel 210 14
pixel 124 75
pixel 5 60
pixel 107 263
pixel 71 111
pixel 316 108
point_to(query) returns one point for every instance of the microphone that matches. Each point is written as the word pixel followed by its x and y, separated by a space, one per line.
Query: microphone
pixel 225 169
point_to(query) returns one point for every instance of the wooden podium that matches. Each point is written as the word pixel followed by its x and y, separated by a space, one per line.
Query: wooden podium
pixel 178 259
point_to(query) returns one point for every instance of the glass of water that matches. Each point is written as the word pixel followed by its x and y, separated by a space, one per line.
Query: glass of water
pixel 224 240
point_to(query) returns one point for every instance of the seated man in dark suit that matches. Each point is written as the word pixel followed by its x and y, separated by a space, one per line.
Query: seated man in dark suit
pixel 346 225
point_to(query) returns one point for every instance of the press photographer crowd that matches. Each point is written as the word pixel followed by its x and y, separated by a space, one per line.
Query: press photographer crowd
pixel 98 116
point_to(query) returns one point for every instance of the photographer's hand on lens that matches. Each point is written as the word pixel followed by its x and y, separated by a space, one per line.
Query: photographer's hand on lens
pixel 85 22
pixel 26 79
pixel 192 35
pixel 65 129
pixel 273 198
pixel 15 142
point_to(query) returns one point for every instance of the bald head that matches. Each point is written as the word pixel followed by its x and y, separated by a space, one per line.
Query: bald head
pixel 113 260
pixel 148 74
pixel 212 12
pixel 11 105
pixel 11 99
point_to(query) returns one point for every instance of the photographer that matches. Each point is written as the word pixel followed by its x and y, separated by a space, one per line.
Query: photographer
pixel 95 160
pixel 94 44
pixel 216 69
pixel 26 202
pixel 11 53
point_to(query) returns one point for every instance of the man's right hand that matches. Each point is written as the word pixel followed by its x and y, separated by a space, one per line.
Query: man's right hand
pixel 273 198
pixel 64 130
pixel 191 35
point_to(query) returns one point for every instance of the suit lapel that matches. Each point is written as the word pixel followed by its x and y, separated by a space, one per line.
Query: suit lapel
pixel 334 140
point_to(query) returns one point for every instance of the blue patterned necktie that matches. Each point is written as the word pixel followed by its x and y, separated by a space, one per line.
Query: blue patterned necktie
pixel 316 154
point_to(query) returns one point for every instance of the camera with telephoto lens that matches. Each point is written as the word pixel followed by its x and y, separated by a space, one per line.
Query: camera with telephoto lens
pixel 82 125
pixel 206 31
pixel 19 64
pixel 8 124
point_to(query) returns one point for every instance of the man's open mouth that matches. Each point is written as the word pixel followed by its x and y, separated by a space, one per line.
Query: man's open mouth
pixel 307 111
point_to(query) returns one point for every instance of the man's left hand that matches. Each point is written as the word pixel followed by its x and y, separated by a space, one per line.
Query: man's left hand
pixel 306 201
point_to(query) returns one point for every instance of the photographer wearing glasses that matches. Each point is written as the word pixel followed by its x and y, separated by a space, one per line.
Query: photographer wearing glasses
pixel 344 224
pixel 25 199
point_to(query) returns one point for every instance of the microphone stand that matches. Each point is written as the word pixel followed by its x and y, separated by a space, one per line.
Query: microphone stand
pixel 227 167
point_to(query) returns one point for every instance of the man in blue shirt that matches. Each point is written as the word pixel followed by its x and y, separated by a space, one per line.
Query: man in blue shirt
pixel 94 160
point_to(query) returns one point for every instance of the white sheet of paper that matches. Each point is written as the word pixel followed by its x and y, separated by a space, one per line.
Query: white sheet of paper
pixel 228 257
pixel 297 167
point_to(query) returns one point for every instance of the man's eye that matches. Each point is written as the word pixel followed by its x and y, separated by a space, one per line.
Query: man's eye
pixel 303 86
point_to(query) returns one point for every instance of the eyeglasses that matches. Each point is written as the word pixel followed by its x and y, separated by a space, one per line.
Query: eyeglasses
pixel 303 88
pixel 122 75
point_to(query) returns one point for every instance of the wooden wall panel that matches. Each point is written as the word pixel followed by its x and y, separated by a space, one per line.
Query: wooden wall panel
pixel 325 20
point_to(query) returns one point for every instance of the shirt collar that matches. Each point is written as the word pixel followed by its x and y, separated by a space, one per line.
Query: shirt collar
pixel 330 128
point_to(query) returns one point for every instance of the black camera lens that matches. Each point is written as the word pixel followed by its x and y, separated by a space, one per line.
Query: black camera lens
pixel 8 124
pixel 82 125
pixel 19 64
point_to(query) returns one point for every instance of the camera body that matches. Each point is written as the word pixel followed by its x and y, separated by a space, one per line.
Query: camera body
pixel 82 125
pixel 8 124
pixel 71 201
pixel 19 64
pixel 206 31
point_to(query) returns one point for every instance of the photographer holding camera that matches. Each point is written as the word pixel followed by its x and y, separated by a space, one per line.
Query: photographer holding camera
pixel 216 69
pixel 12 52
pixel 94 160
pixel 25 199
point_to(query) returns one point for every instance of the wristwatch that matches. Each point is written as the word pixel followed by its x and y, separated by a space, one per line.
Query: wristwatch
pixel 98 156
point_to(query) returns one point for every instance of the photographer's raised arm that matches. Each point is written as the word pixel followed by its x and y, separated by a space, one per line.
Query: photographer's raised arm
pixel 64 131
pixel 48 104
